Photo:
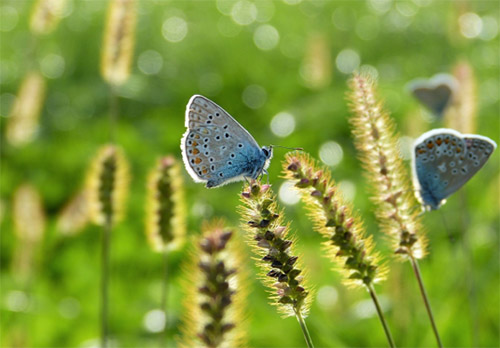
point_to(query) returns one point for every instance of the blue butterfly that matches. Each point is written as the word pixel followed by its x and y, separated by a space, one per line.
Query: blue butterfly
pixel 444 160
pixel 436 94
pixel 216 149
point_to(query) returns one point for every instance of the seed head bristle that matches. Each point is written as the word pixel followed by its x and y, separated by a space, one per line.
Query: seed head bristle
pixel 107 185
pixel 216 289
pixel 75 214
pixel 347 245
pixel 23 118
pixel 270 239
pixel 165 209
pixel 375 139
pixel 119 39
pixel 29 227
pixel 46 16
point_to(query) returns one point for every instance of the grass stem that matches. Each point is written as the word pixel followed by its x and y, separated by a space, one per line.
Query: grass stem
pixel 303 326
pixel 388 334
pixel 416 270
pixel 164 299
pixel 106 237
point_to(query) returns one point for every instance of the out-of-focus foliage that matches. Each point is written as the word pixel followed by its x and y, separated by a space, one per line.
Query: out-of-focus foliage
pixel 263 61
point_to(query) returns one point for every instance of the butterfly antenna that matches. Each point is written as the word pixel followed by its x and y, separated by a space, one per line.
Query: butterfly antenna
pixel 289 148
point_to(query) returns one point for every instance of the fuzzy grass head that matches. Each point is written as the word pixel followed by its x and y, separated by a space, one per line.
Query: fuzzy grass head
pixel 119 40
pixel 347 245
pixel 107 185
pixel 75 214
pixel 271 240
pixel 376 140
pixel 216 286
pixel 22 124
pixel 165 210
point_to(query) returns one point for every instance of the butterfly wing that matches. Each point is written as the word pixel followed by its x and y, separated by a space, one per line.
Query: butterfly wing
pixel 216 149
pixel 444 160
pixel 436 93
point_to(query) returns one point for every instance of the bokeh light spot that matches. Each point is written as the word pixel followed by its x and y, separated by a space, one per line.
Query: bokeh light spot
pixel 150 62
pixel 254 96
pixel 52 66
pixel 244 12
pixel 489 29
pixel 69 308
pixel 174 29
pixel 470 25
pixel 283 124
pixel 327 297
pixel 347 61
pixel 266 37
pixel 8 18
pixel 367 28
pixel 405 144
pixel 348 189
pixel 331 153
pixel 17 301
pixel 154 320
pixel 287 193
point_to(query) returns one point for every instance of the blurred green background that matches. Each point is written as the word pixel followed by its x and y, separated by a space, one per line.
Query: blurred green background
pixel 280 68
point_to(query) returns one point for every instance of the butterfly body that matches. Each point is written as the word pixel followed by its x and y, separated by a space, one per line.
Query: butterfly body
pixel 216 149
pixel 444 160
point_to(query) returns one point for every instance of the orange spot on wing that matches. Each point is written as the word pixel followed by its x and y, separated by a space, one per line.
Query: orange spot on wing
pixel 195 143
pixel 422 151
pixel 197 160
pixel 439 142
pixel 430 145
pixel 446 141
pixel 204 171
pixel 197 136
pixel 459 150
pixel 195 151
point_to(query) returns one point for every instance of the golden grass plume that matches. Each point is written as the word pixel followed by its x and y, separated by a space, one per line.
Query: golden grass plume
pixel 270 239
pixel 107 185
pixel 217 289
pixel 46 15
pixel 119 40
pixel 376 140
pixel 165 209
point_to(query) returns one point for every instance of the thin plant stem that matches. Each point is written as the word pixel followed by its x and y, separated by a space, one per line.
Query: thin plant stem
pixel 106 237
pixel 388 334
pixel 303 326
pixel 416 270
pixel 164 299
pixel 113 112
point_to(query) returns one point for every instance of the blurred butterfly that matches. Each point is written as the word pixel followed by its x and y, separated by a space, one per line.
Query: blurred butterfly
pixel 436 94
pixel 216 149
pixel 444 160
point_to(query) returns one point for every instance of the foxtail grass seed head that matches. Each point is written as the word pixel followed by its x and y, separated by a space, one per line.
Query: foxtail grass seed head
pixel 462 113
pixel 119 40
pixel 346 243
pixel 316 70
pixel 217 290
pixel 46 15
pixel 375 138
pixel 270 239
pixel 29 227
pixel 165 210
pixel 23 119
pixel 75 214
pixel 107 185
